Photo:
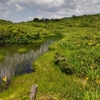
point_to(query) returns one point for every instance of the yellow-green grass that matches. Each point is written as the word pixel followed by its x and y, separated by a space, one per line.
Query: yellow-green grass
pixel 82 49
pixel 81 46
pixel 22 50
pixel 1 57
pixel 50 80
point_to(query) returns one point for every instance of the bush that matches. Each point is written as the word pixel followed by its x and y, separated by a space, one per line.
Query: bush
pixel 63 63
pixel 36 36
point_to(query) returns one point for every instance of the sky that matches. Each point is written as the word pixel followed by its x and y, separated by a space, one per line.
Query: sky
pixel 26 10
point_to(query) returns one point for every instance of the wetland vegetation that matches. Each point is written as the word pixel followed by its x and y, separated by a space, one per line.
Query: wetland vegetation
pixel 68 70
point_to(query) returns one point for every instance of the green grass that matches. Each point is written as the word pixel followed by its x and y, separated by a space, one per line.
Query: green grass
pixel 79 49
pixel 22 50
pixel 1 57
pixel 50 80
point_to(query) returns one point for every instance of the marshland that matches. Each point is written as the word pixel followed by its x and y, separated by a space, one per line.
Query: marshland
pixel 61 56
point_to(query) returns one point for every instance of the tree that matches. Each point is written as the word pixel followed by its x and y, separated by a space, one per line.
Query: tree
pixel 36 20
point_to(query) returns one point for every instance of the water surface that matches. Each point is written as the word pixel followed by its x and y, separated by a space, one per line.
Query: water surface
pixel 15 63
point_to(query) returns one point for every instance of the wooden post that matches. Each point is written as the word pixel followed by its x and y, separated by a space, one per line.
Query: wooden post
pixel 33 92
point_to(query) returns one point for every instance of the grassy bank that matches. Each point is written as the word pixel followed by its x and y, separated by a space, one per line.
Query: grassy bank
pixel 81 55
pixel 69 71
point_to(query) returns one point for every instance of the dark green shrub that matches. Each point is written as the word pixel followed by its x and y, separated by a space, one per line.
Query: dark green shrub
pixel 63 63
pixel 36 36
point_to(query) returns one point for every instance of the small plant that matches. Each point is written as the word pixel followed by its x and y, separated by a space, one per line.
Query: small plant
pixel 22 50
pixel 4 83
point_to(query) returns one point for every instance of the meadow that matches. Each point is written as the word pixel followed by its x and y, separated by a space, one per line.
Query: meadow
pixel 70 70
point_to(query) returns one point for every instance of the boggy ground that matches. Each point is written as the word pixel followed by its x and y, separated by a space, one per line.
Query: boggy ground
pixel 69 71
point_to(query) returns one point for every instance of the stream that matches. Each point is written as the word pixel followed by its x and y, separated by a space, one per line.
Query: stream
pixel 15 63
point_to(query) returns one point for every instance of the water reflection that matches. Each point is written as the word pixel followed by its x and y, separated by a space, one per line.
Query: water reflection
pixel 20 63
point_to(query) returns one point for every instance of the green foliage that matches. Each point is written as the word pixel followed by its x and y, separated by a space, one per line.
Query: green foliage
pixel 63 63
pixel 78 58
pixel 36 36
pixel 1 57
pixel 22 50
pixel 3 22
pixel 32 31
pixel 4 83
pixel 35 19
pixel 91 95
pixel 16 34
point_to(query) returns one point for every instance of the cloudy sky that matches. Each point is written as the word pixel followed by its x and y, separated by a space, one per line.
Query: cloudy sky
pixel 24 10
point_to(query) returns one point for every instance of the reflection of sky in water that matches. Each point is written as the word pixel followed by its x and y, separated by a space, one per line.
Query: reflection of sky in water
pixel 7 67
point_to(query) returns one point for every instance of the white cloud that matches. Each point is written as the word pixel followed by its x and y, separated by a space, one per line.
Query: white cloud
pixel 6 13
pixel 50 8
pixel 18 7
pixel 41 4
pixel 3 7
pixel 4 10
pixel 30 17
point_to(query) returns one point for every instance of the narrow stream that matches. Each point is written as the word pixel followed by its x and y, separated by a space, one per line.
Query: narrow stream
pixel 9 67
pixel 17 63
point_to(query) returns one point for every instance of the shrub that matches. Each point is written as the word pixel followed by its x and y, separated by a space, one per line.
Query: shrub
pixel 36 36
pixel 63 63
